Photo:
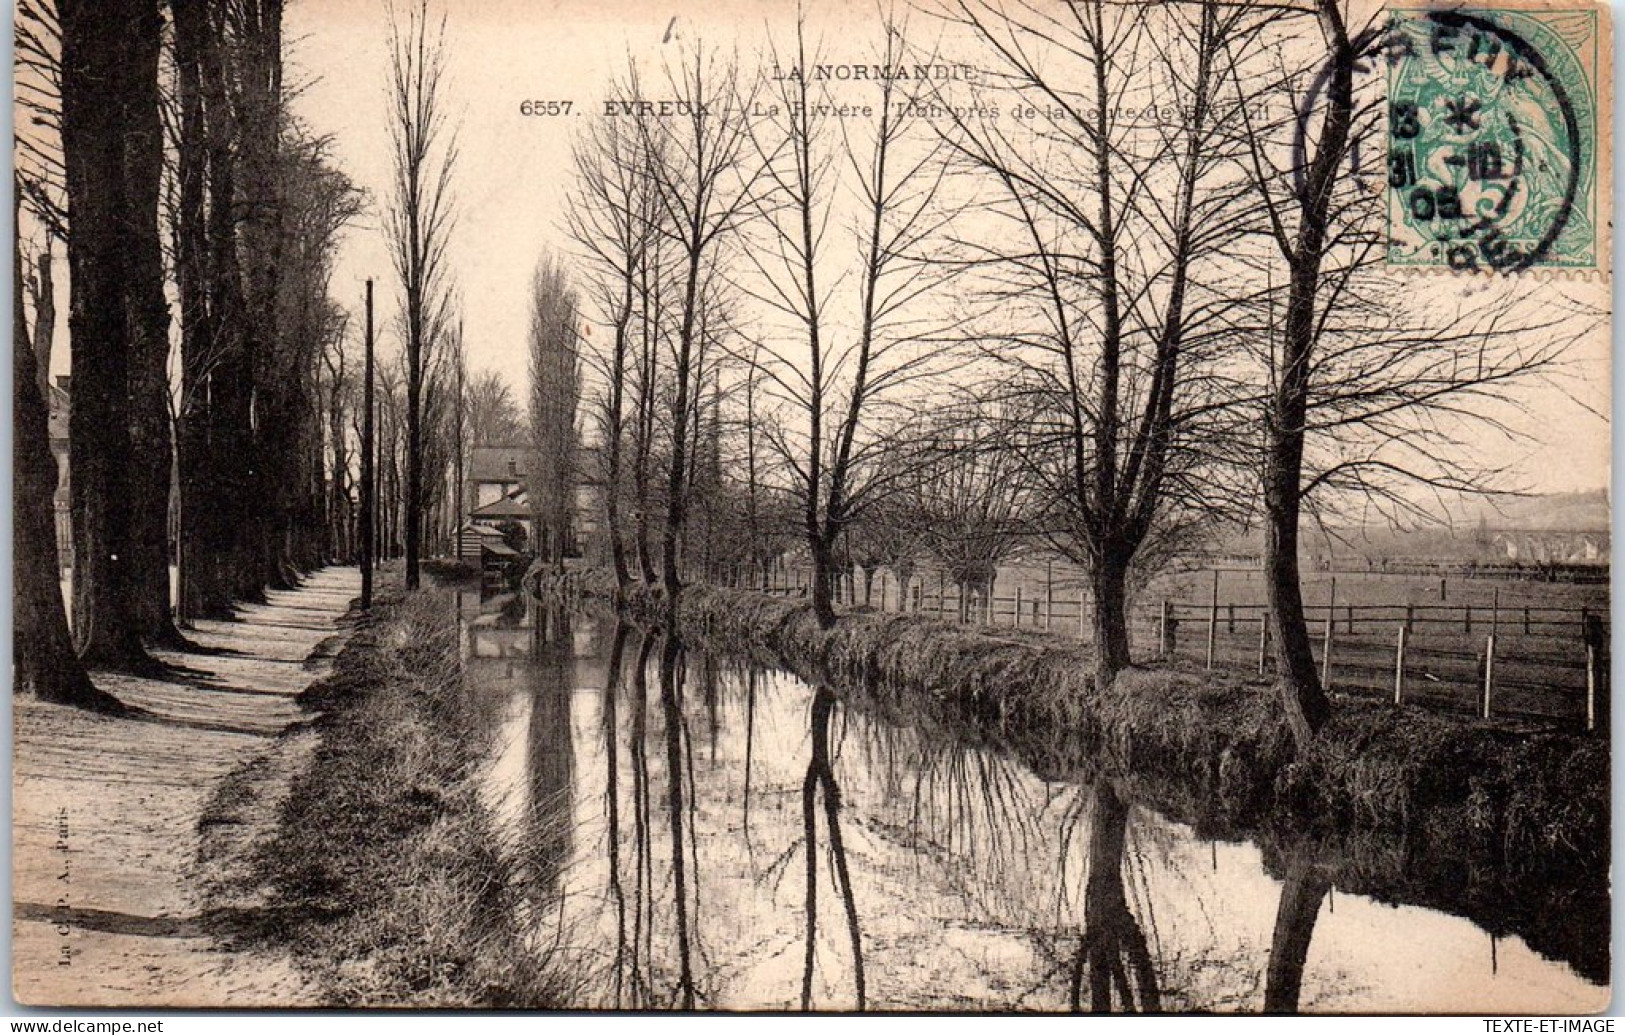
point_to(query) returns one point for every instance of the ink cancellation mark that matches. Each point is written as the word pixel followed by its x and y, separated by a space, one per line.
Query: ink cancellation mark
pixel 1492 139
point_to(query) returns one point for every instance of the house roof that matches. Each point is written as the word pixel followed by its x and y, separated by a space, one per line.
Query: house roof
pixel 499 548
pixel 499 464
pixel 509 506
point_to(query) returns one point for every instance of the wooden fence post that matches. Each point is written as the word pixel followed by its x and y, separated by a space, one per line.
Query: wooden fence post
pixel 1015 619
pixel 1326 643
pixel 1591 688
pixel 1399 668
pixel 1489 672
pixel 1049 594
pixel 1467 620
pixel 1410 616
pixel 1348 611
pixel 1162 629
pixel 1495 610
pixel 1083 620
pixel 1526 621
pixel 1213 619
pixel 1263 638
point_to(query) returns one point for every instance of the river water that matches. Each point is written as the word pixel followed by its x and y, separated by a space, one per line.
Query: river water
pixel 668 812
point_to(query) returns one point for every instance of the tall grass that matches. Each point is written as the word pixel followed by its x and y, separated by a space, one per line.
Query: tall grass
pixel 386 879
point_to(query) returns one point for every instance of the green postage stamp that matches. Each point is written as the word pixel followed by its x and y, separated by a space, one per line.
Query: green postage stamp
pixel 1497 133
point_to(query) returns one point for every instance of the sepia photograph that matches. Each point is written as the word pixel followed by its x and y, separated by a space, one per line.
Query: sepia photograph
pixel 986 507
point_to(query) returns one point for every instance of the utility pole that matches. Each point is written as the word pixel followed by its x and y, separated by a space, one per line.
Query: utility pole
pixel 368 499
pixel 460 411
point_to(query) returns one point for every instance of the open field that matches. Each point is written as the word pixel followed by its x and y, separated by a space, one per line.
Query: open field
pixel 1540 654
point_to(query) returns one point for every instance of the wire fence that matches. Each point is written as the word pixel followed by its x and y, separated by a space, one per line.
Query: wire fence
pixel 1538 661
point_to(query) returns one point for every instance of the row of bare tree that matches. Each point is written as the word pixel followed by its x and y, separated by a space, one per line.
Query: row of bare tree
pixel 160 153
pixel 930 327
pixel 216 393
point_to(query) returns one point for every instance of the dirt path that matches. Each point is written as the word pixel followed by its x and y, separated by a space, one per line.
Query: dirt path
pixel 105 815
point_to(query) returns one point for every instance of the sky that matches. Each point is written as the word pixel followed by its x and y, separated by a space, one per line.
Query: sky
pixel 513 170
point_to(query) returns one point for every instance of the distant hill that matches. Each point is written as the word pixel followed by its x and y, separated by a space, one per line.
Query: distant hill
pixel 1563 511
pixel 1494 528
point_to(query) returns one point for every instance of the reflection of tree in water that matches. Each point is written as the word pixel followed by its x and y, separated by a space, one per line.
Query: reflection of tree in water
pixel 1113 960
pixel 1010 844
pixel 1302 892
pixel 609 712
pixel 671 688
pixel 821 778
pixel 643 864
pixel 641 897
pixel 944 798
pixel 551 749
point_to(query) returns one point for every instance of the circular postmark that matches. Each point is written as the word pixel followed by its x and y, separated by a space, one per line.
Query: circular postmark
pixel 1484 148
pixel 1486 119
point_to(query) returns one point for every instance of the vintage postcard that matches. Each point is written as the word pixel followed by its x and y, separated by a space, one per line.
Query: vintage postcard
pixel 986 506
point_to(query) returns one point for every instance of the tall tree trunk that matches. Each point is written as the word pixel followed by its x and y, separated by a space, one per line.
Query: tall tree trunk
pixel 339 502
pixel 1303 699
pixel 414 451
pixel 676 495
pixel 261 514
pixel 1109 580
pixel 613 431
pixel 101 90
pixel 43 290
pixel 151 456
pixel 823 582
pixel 215 407
pixel 42 647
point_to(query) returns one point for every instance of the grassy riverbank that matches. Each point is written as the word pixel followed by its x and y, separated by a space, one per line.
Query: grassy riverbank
pixel 1208 748
pixel 385 880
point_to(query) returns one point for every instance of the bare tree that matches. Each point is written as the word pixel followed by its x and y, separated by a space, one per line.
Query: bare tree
pixel 1113 266
pixel 1371 396
pixel 420 222
pixel 42 647
pixel 555 393
pixel 109 91
pixel 975 502
pixel 839 382
pixel 41 287
pixel 41 178
pixel 494 418
pixel 611 220
pixel 703 193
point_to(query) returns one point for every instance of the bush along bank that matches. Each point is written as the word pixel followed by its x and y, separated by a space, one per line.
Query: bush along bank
pixel 1204 748
pixel 384 876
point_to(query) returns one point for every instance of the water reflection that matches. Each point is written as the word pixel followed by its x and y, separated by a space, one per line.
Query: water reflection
pixel 820 780
pixel 811 852
pixel 1113 950
pixel 1302 893
pixel 551 753
pixel 679 764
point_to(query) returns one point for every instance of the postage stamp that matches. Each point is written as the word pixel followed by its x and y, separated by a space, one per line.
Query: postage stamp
pixel 1495 138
